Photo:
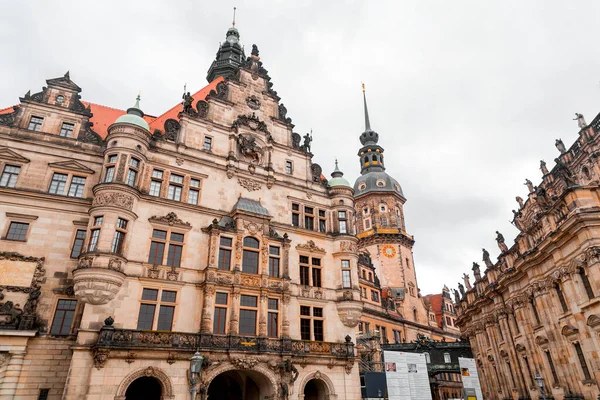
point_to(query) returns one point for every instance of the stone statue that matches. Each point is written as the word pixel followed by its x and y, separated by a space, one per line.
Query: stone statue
pixel 486 259
pixel 520 201
pixel 540 197
pixel 562 171
pixel 560 146
pixel 187 102
pixel 456 296
pixel 461 288
pixel 476 271
pixel 254 50
pixel 249 147
pixel 467 283
pixel 543 167
pixel 580 120
pixel 529 185
pixel 501 244
pixel 307 142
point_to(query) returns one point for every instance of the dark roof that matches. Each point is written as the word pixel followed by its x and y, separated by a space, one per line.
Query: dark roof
pixel 376 181
pixel 251 206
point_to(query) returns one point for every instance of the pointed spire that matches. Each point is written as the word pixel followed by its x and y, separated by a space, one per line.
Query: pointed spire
pixel 337 172
pixel 136 110
pixel 233 24
pixel 67 75
pixel 367 122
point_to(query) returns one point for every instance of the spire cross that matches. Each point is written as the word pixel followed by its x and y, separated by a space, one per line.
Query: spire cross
pixel 367 122
pixel 234 16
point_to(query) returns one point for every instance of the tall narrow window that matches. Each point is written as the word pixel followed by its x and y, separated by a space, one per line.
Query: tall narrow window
pixel 582 362
pixel 35 124
pixel 309 218
pixel 311 324
pixel 78 243
pixel 447 359
pixel 274 259
pixel 289 167
pixel 220 319
pixel 156 183
pixel 59 181
pixel 427 357
pixel 535 311
pixel 9 176
pixel 317 323
pixel 66 130
pixel 295 214
pixel 322 221
pixel 119 237
pixel 44 393
pixel 111 161
pixel 304 271
pixel 383 333
pixel 586 283
pixel 375 296
pixel 63 317
pixel 561 297
pixel 157 247
pixel 343 222
pixel 272 320
pixel 134 165
pixel 166 311
pixel 175 187
pixel 194 192
pixel 225 253
pixel 77 186
pixel 552 369
pixel 95 233
pixel 346 275
pixel 305 323
pixel 207 143
pixel 17 231
pixel 250 255
pixel 175 250
pixel 316 272
pixel 248 311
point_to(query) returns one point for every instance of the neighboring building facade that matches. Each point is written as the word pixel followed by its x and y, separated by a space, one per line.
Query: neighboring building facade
pixel 130 241
pixel 537 309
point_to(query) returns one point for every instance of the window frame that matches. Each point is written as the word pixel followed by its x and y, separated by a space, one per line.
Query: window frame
pixel 155 179
pixel 132 169
pixel 346 269
pixel 158 303
pixel 35 126
pixel 10 175
pixel 210 143
pixel 56 311
pixel 272 316
pixel 247 308
pixel 177 187
pixel 255 250
pixel 111 166
pixel 20 222
pixel 289 167
pixel 67 131
pixel 168 243
pixel 274 259
pixel 95 231
pixel 311 317
pixel 76 238
pixel 78 186
pixel 224 249
pixel 221 307
pixel 311 267
pixel 58 190
pixel 194 189
pixel 120 236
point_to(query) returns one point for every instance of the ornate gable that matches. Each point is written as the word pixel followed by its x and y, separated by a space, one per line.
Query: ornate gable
pixel 10 155
pixel 72 166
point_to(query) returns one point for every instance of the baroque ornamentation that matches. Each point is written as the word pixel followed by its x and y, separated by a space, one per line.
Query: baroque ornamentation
pixel 348 246
pixel 9 119
pixel 310 246
pixel 249 184
pixel 251 121
pixel 244 363
pixel 115 263
pixel 253 102
pixel 249 148
pixel 113 199
pixel 171 219
pixel 172 128
pixel 100 357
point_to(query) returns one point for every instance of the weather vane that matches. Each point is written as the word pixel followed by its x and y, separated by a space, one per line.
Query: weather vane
pixel 234 16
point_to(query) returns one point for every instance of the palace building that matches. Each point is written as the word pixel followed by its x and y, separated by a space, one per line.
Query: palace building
pixel 198 251
pixel 533 316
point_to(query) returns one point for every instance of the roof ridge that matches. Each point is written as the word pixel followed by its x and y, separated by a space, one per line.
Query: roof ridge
pixel 113 108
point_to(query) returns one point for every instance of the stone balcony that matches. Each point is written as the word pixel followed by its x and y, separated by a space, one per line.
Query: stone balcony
pixel 114 338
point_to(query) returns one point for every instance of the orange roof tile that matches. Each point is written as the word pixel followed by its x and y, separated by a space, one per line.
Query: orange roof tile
pixel 201 94
pixel 6 110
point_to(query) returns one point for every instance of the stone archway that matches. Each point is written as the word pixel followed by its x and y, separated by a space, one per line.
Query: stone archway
pixel 149 372
pixel 319 382
pixel 253 380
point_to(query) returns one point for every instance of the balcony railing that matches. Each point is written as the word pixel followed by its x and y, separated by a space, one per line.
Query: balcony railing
pixel 130 338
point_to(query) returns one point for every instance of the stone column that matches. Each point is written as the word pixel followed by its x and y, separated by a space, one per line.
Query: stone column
pixel 208 307
pixel 262 314
pixel 213 248
pixel 285 259
pixel 285 322
pixel 11 377
pixel 234 307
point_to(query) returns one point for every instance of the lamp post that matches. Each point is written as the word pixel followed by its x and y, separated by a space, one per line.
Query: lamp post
pixel 195 369
pixel 540 382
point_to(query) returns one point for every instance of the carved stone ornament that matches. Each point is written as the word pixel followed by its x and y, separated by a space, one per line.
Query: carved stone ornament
pixel 348 247
pixel 221 91
pixel 249 148
pixel 115 263
pixel 172 128
pixel 349 312
pixel 9 119
pixel 310 246
pixel 170 219
pixel 253 102
pixel 39 274
pixel 249 184
pixel 97 286
pixel 251 121
pixel 244 363
pixel 113 199
pixel 100 357
pixel 202 107
pixel 282 113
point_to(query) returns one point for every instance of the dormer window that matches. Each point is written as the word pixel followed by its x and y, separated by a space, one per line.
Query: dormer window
pixel 66 130
pixel 35 124
pixel 362 186
pixel 60 99
pixel 380 183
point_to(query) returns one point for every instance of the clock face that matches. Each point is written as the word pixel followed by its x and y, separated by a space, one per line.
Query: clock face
pixel 389 251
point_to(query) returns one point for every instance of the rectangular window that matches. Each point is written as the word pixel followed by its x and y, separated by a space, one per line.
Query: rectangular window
pixel 131 176
pixel 156 183
pixel 309 218
pixel 250 256
pixel 342 221
pixel 110 174
pixel 112 159
pixel 59 181
pixel 274 261
pixel 9 176
pixel 272 320
pixel 44 393
pixel 312 320
pixel 66 130
pixel 220 319
pixel 119 237
pixel 35 124
pixel 346 280
pixel 304 274
pixel 78 243
pixel 248 311
pixel 63 317
pixel 77 186
pixel 313 271
pixel 375 295
pixel 289 167
pixel 225 253
pixel 561 298
pixel 94 239
pixel 295 214
pixel 165 318
pixel 552 369
pixel 322 221
pixel 150 303
pixel 17 231
pixel 383 331
pixel 305 329
pixel 157 247
pixel 194 192
pixel 207 143
pixel 174 255
pixel 582 362
pixel 316 277
pixel 175 187
pixel 146 316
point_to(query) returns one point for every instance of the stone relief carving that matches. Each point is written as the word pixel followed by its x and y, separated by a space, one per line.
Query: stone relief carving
pixel 171 219
pixel 249 148
pixel 245 362
pixel 310 246
pixel 100 357
pixel 115 263
pixel 348 246
pixel 249 184
pixel 253 102
pixel 115 199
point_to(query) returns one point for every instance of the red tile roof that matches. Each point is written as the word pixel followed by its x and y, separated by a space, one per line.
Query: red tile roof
pixel 104 116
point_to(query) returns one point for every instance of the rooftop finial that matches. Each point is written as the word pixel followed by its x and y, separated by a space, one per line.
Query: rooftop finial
pixel 367 122
pixel 233 16
pixel 137 100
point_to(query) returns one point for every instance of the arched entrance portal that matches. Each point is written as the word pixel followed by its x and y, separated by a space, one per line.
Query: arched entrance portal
pixel 240 385
pixel 316 389
pixel 144 388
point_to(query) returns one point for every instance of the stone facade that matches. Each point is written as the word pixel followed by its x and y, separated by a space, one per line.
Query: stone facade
pixel 537 308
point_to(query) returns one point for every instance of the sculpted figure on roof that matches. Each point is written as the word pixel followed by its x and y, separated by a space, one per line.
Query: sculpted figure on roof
pixel 560 146
pixel 500 240
pixel 543 167
pixel 520 201
pixel 580 120
pixel 529 185
pixel 476 271
pixel 486 259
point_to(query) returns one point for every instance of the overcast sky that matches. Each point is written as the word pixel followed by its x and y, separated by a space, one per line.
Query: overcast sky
pixel 467 96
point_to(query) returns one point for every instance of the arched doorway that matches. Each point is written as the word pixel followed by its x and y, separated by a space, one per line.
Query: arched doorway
pixel 144 388
pixel 240 385
pixel 315 389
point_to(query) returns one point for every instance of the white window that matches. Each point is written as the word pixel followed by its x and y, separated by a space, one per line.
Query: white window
pixel 447 359
pixel 207 143
pixel 289 167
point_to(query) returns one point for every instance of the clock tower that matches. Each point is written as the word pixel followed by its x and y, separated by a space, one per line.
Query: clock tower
pixel 380 227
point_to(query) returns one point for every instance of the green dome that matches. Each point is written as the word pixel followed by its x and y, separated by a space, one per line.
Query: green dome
pixel 134 116
pixel 337 178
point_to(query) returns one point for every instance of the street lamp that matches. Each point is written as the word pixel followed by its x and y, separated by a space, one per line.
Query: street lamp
pixel 540 382
pixel 195 369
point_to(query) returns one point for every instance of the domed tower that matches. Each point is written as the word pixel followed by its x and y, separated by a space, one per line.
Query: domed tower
pixel 229 56
pixel 379 202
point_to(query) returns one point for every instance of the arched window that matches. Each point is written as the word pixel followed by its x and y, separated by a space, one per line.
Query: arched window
pixel 561 297
pixel 250 255
pixel 374 158
pixel 586 283
pixel 366 159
